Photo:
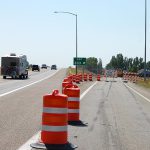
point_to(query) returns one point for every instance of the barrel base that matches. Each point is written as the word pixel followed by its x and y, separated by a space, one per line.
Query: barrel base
pixel 78 123
pixel 67 146
pixel 77 82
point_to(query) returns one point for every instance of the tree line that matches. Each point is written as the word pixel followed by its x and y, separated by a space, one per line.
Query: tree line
pixel 93 65
pixel 128 64
pixel 116 62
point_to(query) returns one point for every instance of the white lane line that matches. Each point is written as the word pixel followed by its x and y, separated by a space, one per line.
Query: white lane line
pixel 35 138
pixel 4 94
pixel 138 93
pixel 85 92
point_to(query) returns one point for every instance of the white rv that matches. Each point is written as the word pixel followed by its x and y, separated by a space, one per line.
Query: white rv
pixel 14 66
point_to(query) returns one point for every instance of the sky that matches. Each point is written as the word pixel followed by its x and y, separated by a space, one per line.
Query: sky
pixel 105 28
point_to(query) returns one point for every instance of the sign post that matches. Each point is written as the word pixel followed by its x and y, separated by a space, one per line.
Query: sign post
pixel 79 61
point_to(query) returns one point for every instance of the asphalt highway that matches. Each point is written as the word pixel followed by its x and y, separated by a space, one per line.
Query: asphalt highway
pixel 9 84
pixel 117 117
pixel 20 111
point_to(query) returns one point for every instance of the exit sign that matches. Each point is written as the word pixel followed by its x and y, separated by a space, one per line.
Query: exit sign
pixel 79 61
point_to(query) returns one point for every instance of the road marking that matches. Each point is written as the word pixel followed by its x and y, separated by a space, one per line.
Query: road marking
pixel 35 138
pixel 138 93
pixel 4 94
pixel 85 92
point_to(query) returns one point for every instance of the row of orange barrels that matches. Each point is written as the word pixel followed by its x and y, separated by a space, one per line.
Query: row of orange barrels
pixel 58 110
pixel 85 77
pixel 130 74
pixel 133 78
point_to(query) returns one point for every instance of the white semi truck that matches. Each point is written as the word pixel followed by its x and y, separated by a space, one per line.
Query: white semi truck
pixel 14 66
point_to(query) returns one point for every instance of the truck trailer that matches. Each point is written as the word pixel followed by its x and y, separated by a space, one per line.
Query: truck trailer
pixel 14 66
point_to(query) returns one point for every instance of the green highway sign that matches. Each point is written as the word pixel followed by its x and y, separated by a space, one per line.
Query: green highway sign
pixel 79 61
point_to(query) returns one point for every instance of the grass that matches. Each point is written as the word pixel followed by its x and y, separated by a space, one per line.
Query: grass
pixel 72 70
pixel 145 84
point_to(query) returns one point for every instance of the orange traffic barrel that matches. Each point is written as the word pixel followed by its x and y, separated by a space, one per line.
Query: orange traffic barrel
pixel 54 118
pixel 85 77
pixel 64 84
pixel 77 79
pixel 65 79
pixel 90 77
pixel 70 78
pixel 98 77
pixel 73 93
pixel 54 132
pixel 74 78
pixel 80 76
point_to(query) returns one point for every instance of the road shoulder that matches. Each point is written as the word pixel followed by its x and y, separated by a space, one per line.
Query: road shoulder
pixel 142 90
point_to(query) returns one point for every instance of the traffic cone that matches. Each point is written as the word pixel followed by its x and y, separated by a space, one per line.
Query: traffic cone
pixel 98 77
pixel 90 77
pixel 77 79
pixel 85 77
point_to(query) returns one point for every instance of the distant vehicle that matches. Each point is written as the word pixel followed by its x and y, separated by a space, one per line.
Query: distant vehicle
pixel 44 66
pixel 14 66
pixel 141 73
pixel 35 67
pixel 53 67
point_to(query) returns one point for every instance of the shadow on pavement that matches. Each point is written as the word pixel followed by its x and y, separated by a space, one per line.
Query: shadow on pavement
pixel 78 123
pixel 67 146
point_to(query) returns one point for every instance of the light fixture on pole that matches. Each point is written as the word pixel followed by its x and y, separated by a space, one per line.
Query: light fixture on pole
pixel 76 34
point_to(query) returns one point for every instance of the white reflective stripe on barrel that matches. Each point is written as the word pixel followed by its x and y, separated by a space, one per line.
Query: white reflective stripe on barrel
pixel 54 128
pixel 55 110
pixel 73 98
pixel 73 110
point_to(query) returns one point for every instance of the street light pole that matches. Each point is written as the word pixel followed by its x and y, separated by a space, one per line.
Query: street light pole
pixel 76 47
pixel 76 35
pixel 145 40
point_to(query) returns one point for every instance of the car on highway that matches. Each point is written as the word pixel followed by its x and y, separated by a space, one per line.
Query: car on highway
pixel 35 67
pixel 53 67
pixel 44 66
